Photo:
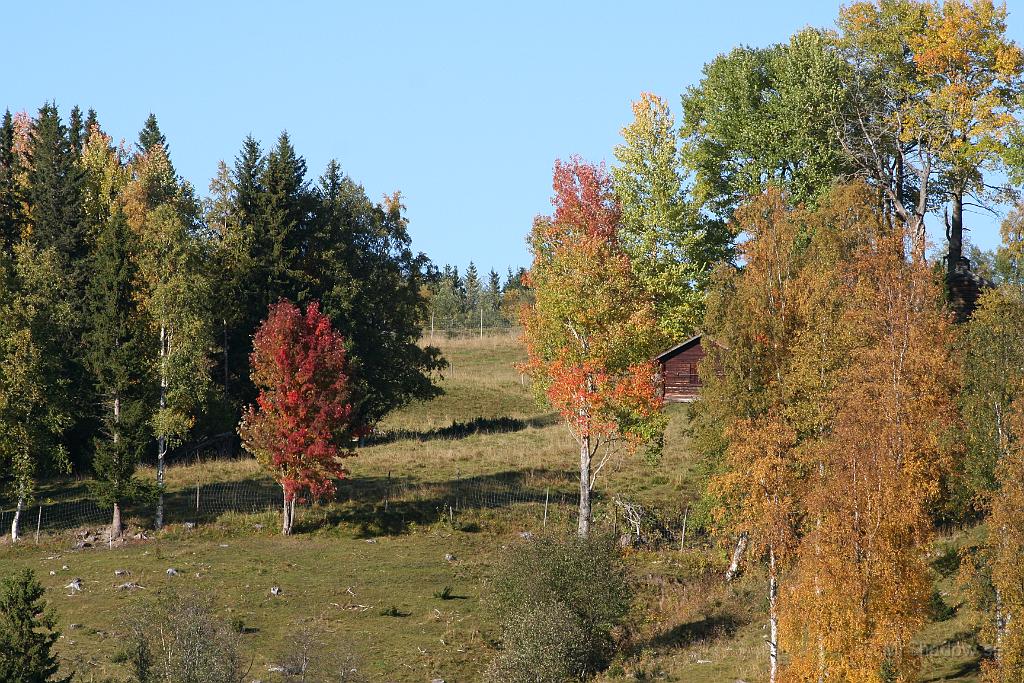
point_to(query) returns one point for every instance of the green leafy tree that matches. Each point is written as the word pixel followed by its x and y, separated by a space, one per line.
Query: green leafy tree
pixel 672 249
pixel 176 299
pixel 447 300
pixel 28 632
pixel 992 348
pixel 765 115
pixel 36 323
pixel 371 284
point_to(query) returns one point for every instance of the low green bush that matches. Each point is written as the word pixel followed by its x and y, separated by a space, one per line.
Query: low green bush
pixel 559 599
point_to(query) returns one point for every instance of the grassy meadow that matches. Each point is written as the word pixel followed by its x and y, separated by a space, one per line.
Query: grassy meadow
pixel 372 579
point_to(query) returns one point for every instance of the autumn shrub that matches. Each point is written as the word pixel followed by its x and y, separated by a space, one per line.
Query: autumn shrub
pixel 177 637
pixel 559 599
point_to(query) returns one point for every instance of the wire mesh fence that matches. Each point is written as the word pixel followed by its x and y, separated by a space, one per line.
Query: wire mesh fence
pixel 418 501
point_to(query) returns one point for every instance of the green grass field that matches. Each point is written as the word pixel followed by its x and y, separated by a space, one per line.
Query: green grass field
pixel 351 562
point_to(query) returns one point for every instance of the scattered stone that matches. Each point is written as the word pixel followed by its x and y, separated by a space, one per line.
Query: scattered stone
pixel 257 527
pixel 526 535
pixel 64 568
pixel 129 586
pixel 437 680
pixel 53 573
pixel 190 525
pixel 74 626
pixel 275 590
pixel 75 586
pixel 703 661
pixel 371 540
pixel 172 572
pixel 448 557
pixel 122 572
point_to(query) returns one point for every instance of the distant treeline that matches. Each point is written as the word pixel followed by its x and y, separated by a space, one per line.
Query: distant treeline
pixel 469 302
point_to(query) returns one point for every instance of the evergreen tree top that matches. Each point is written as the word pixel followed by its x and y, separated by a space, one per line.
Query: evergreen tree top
pixel 150 136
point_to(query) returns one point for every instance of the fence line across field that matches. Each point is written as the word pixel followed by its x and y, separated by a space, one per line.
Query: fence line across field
pixel 204 502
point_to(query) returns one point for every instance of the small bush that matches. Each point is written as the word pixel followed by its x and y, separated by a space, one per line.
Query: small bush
pixel 542 643
pixel 177 638
pixel 392 611
pixel 579 585
pixel 444 594
pixel 237 625
pixel 938 609
pixel 310 657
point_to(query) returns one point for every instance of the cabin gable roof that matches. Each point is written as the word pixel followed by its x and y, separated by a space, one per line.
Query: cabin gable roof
pixel 678 348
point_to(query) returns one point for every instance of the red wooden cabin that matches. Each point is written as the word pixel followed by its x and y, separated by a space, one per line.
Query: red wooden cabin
pixel 678 371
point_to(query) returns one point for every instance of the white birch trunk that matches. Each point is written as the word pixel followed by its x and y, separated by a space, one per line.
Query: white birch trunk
pixel 115 522
pixel 16 522
pixel 584 522
pixel 773 619
pixel 288 509
pixel 161 441
pixel 737 557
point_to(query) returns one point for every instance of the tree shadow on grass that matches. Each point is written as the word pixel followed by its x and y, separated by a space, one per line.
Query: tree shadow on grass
pixel 378 506
pixel 374 505
pixel 461 430
pixel 708 628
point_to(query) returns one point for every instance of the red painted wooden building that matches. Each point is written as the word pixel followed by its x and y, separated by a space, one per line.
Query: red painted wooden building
pixel 678 371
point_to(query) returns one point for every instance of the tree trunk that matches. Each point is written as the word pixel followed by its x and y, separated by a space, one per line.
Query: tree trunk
pixel 16 522
pixel 584 525
pixel 116 528
pixel 773 619
pixel 115 523
pixel 161 442
pixel 955 234
pixel 737 557
pixel 287 511
pixel 225 323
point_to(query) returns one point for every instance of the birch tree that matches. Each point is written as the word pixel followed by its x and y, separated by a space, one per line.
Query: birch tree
pixel 36 323
pixel 589 331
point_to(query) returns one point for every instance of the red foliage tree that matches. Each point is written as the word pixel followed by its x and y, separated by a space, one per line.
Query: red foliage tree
pixel 301 426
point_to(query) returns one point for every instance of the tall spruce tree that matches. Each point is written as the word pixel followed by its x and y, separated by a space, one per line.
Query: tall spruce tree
pixel 120 360
pixel 150 135
pixel 76 130
pixel 281 228
pixel 12 216
pixel 55 192
pixel 474 289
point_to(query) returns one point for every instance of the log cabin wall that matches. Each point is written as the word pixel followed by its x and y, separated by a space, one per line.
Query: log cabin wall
pixel 678 367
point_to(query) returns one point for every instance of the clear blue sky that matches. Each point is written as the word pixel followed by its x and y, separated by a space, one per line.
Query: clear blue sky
pixel 462 106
